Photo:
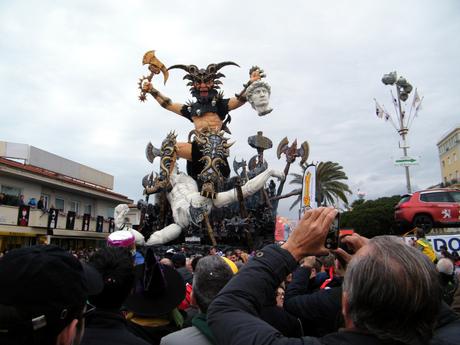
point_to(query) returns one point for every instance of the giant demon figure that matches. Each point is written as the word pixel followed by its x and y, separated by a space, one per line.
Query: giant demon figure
pixel 209 113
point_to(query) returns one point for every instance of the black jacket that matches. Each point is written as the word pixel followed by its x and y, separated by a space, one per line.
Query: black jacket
pixel 319 311
pixel 108 328
pixel 234 314
pixel 447 330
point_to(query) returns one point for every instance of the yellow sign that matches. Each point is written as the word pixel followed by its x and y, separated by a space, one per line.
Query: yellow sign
pixel 306 198
pixel 23 234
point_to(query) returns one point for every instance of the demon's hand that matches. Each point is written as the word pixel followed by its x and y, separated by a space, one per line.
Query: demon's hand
pixel 147 86
pixel 256 73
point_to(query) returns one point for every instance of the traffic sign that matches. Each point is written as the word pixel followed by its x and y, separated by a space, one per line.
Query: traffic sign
pixel 406 161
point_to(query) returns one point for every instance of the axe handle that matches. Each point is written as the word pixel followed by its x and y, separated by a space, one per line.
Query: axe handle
pixel 267 199
pixel 280 187
pixel 209 229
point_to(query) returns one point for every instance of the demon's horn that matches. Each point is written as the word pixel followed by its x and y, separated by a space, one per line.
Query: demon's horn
pixel 184 67
pixel 226 63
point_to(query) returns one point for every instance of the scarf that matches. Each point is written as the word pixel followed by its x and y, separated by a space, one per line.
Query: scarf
pixel 201 323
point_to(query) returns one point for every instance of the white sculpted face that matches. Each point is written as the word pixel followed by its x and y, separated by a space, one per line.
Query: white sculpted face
pixel 258 95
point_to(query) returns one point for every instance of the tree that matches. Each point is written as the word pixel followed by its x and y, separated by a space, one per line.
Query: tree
pixel 328 184
pixel 372 217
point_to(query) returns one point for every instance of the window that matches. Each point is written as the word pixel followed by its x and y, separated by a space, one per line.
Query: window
pixel 110 212
pixel 435 197
pixel 11 190
pixel 455 157
pixel 404 199
pixel 443 163
pixel 455 196
pixel 448 160
pixel 88 209
pixel 60 203
pixel 75 207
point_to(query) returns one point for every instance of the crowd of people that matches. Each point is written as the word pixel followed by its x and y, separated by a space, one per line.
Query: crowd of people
pixel 367 291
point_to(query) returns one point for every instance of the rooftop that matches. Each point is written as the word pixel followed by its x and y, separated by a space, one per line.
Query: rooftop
pixel 38 171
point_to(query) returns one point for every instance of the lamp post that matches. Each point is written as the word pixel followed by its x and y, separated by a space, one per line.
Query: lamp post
pixel 403 89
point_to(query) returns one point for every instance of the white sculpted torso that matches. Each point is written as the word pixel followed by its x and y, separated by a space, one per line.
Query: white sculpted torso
pixel 185 193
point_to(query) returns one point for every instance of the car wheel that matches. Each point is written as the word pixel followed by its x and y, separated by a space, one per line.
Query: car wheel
pixel 423 221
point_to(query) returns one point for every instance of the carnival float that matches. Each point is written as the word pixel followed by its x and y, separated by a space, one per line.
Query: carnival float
pixel 207 205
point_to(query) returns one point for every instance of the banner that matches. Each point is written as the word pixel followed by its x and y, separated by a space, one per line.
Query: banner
pixel 70 222
pixel 23 215
pixel 99 223
pixel 452 242
pixel 52 219
pixel 309 188
pixel 111 225
pixel 85 223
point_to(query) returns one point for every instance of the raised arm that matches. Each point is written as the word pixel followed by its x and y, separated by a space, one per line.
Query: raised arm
pixel 162 100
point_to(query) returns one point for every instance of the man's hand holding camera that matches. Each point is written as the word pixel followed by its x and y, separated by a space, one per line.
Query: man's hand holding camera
pixel 310 234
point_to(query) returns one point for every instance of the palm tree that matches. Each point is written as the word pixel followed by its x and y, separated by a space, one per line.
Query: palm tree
pixel 328 184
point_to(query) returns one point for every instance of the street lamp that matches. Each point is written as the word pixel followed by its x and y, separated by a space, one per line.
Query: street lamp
pixel 404 121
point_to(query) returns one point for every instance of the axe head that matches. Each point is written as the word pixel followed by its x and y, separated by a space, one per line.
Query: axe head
pixel 146 181
pixel 283 146
pixel 238 165
pixel 155 65
pixel 303 152
pixel 151 152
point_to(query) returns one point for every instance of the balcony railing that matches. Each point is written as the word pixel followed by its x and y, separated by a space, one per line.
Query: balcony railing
pixel 9 216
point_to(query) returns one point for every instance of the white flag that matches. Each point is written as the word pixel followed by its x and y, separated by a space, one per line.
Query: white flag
pixel 419 107
pixel 379 110
pixel 416 99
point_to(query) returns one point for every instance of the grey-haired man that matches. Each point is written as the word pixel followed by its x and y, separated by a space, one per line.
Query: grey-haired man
pixel 390 294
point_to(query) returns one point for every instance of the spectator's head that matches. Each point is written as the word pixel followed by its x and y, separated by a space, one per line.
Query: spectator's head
pixel 195 262
pixel 122 238
pixel 178 260
pixel 43 293
pixel 328 261
pixel 419 233
pixel 213 251
pixel 115 264
pixel 391 290
pixel 158 290
pixel 244 257
pixel 211 275
pixel 230 254
pixel 445 266
pixel 170 253
pixel 167 262
pixel 280 297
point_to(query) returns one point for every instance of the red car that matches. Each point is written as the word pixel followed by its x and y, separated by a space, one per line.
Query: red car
pixel 429 208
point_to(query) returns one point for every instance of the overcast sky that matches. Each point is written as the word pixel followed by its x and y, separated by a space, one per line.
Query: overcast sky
pixel 69 69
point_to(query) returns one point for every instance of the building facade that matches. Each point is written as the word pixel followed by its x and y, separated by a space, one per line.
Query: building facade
pixel 77 202
pixel 449 156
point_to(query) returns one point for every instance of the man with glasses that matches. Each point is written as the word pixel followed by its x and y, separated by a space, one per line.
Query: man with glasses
pixel 43 294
